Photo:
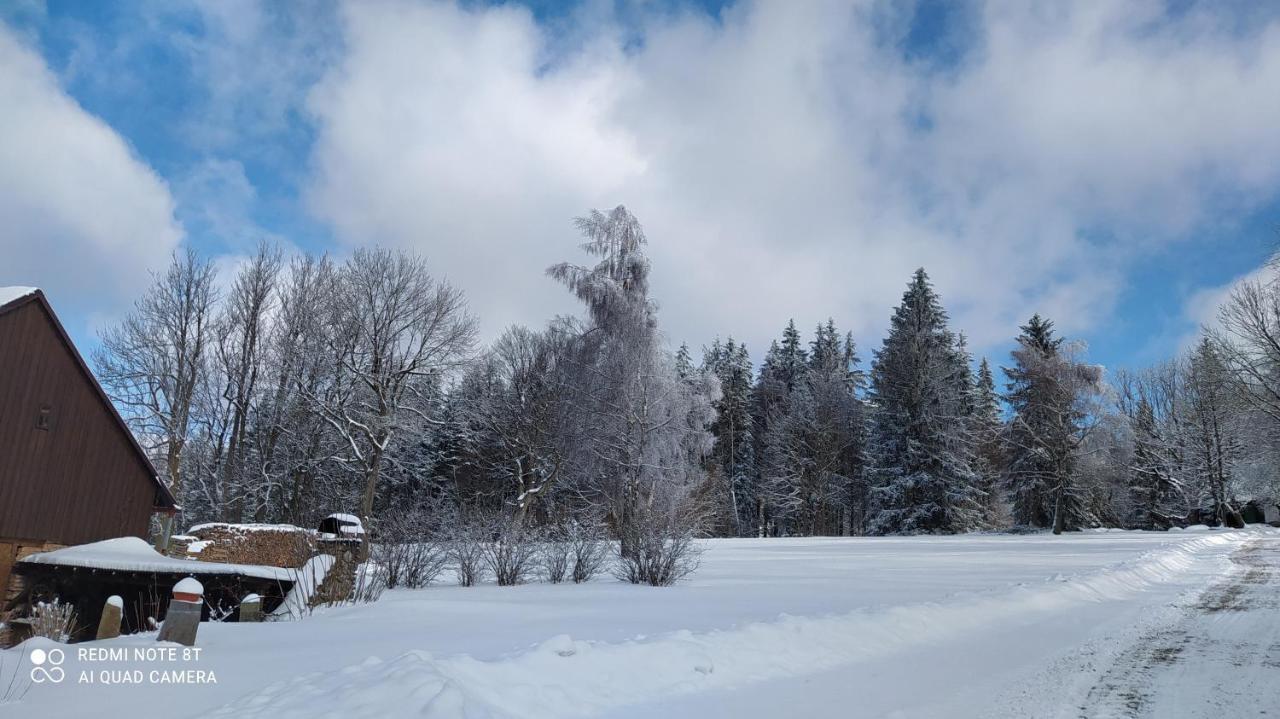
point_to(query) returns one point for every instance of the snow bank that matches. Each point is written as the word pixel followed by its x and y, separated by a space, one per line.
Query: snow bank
pixel 130 554
pixel 567 677
pixel 9 294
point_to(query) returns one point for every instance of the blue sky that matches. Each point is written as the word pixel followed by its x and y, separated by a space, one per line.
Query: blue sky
pixel 1112 166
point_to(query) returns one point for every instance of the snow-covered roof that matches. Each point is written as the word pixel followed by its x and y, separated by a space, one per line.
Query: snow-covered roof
pixel 130 554
pixel 9 294
pixel 349 523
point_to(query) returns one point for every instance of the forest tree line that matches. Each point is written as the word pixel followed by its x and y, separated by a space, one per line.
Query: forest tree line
pixel 305 386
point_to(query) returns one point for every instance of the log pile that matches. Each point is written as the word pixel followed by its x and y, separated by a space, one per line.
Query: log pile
pixel 273 545
pixel 347 553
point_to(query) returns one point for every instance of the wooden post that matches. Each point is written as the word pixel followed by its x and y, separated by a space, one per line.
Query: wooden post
pixel 112 612
pixel 251 608
pixel 183 618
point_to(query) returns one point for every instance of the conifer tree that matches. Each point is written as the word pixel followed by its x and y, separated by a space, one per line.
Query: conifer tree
pixel 986 428
pixel 684 362
pixel 923 480
pixel 733 454
pixel 1046 386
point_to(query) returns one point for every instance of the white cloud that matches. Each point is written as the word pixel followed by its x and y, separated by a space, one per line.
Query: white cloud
pixel 787 161
pixel 80 215
pixel 1200 309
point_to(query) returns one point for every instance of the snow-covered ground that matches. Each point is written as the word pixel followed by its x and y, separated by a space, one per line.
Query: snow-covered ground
pixel 924 626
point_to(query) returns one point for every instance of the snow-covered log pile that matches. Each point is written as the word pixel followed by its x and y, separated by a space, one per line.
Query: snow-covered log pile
pixel 273 545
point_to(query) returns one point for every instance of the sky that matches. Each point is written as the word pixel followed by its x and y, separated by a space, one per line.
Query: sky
pixel 1114 166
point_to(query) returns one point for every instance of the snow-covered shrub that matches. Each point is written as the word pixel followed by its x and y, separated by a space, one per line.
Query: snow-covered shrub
pixel 555 555
pixel 510 556
pixel 657 547
pixel 411 564
pixel 408 549
pixel 588 549
pixel 53 620
pixel 467 549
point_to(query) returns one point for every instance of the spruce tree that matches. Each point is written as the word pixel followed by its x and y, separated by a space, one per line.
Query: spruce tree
pixel 1032 467
pixel 923 479
pixel 733 453
pixel 986 428
pixel 684 363
pixel 1044 387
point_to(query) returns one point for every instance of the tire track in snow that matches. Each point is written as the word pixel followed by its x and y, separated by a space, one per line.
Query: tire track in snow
pixel 1219 657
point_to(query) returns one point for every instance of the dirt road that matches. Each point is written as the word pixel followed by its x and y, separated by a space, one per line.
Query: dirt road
pixel 1220 657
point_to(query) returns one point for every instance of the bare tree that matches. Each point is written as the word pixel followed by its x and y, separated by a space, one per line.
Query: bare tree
pixel 1152 403
pixel 239 349
pixel 524 413
pixel 296 445
pixel 152 363
pixel 1211 434
pixel 1248 343
pixel 393 331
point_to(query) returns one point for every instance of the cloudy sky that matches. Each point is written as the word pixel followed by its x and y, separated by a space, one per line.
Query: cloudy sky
pixel 1112 165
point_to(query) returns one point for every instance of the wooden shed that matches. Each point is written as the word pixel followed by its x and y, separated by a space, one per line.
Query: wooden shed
pixel 71 472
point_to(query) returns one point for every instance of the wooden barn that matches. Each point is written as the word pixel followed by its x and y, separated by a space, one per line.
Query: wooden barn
pixel 71 472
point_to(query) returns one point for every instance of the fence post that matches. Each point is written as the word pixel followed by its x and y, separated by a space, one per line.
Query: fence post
pixel 112 612
pixel 251 608
pixel 183 618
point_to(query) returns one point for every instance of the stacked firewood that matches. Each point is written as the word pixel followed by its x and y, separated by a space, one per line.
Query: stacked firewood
pixel 274 545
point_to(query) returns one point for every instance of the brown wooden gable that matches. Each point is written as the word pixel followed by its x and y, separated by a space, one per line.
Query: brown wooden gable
pixel 71 472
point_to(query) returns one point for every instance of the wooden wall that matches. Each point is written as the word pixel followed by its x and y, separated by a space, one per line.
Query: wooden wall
pixel 80 479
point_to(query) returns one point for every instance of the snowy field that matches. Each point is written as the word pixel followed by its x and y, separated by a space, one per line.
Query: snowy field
pixel 948 626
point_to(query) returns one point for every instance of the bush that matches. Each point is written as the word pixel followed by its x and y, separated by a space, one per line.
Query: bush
pixel 511 553
pixel 555 555
pixel 407 549
pixel 53 620
pixel 467 550
pixel 587 548
pixel 657 547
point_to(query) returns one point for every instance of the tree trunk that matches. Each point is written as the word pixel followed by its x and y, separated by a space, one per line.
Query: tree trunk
pixel 370 486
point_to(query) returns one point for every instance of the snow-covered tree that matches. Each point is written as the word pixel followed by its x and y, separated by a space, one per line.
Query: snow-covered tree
pixel 733 454
pixel 392 332
pixel 814 477
pixel 154 361
pixel 987 431
pixel 649 427
pixel 1213 442
pixel 524 417
pixel 923 477
pixel 1151 402
pixel 1049 392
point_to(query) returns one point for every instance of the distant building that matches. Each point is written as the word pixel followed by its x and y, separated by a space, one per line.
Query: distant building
pixel 71 472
